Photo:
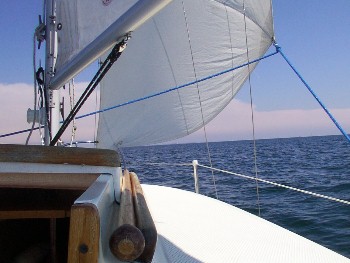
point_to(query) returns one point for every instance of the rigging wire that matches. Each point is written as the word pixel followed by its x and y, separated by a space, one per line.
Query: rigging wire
pixel 154 94
pixel 35 89
pixel 252 113
pixel 279 185
pixel 199 97
pixel 172 72
pixel 41 103
pixel 175 88
pixel 99 63
pixel 71 90
pixel 254 179
pixel 107 64
pixel 278 50
pixel 231 46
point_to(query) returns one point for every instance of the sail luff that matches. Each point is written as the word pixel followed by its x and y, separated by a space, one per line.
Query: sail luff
pixel 128 22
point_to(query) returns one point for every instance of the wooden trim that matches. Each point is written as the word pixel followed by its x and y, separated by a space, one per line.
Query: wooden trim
pixel 126 242
pixel 36 203
pixel 69 181
pixel 84 234
pixel 25 214
pixel 144 220
pixel 58 155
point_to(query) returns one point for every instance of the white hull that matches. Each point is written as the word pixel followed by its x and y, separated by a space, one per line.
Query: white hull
pixel 196 228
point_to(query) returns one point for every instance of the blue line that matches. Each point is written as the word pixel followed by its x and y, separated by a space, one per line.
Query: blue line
pixel 178 87
pixel 159 93
pixel 313 94
pixel 17 132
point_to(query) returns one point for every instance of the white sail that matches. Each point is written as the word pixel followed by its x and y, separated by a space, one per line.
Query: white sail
pixel 188 40
pixel 90 27
pixel 82 21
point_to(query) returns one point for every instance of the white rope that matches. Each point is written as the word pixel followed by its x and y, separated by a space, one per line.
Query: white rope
pixel 72 104
pixel 260 180
pixel 279 185
pixel 171 164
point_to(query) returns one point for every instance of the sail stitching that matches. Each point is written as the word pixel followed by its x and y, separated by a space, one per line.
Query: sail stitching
pixel 173 74
pixel 108 63
pixel 250 18
pixel 199 96
pixel 252 113
pixel 231 47
pixel 151 95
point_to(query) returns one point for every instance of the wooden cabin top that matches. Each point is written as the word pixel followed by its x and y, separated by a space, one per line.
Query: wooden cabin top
pixel 32 192
pixel 58 155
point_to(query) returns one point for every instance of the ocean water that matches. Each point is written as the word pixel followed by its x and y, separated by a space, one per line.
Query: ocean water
pixel 317 164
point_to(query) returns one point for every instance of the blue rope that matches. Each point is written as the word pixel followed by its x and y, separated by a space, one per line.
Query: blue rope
pixel 155 94
pixel 178 87
pixel 279 50
pixel 17 132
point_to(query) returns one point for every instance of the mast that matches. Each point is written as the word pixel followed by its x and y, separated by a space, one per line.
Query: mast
pixel 129 21
pixel 52 96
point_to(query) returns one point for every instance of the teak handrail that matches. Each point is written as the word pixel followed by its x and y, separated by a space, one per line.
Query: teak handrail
pixel 127 242
pixel 136 235
pixel 144 220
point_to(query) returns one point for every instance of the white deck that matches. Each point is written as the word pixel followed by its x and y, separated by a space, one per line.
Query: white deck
pixel 195 228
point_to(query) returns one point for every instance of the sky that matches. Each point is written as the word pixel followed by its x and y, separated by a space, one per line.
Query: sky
pixel 314 35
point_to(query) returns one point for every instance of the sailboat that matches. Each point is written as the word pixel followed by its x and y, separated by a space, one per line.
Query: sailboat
pixel 167 69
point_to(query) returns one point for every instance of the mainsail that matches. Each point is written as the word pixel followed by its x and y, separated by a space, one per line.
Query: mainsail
pixel 82 21
pixel 88 28
pixel 186 41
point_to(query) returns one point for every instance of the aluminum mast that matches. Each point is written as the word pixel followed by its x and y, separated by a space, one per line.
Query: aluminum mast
pixel 129 21
pixel 52 96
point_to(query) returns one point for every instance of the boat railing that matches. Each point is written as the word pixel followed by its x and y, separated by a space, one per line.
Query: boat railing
pixel 197 165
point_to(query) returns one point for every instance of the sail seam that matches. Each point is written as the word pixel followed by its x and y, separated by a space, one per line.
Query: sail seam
pixel 231 47
pixel 199 97
pixel 173 74
pixel 252 113
pixel 154 94
pixel 242 12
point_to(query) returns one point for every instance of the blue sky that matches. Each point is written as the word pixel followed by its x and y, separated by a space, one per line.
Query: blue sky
pixel 314 34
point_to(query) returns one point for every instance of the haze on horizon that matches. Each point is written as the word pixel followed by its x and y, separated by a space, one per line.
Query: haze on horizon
pixel 232 124
pixel 313 34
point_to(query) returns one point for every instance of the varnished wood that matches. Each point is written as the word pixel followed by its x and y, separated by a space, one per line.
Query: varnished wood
pixel 58 155
pixel 84 234
pixel 126 242
pixel 144 220
pixel 47 180
pixel 36 203
pixel 26 214
pixel 126 214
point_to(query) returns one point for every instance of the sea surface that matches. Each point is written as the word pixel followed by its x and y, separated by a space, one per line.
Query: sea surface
pixel 317 164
